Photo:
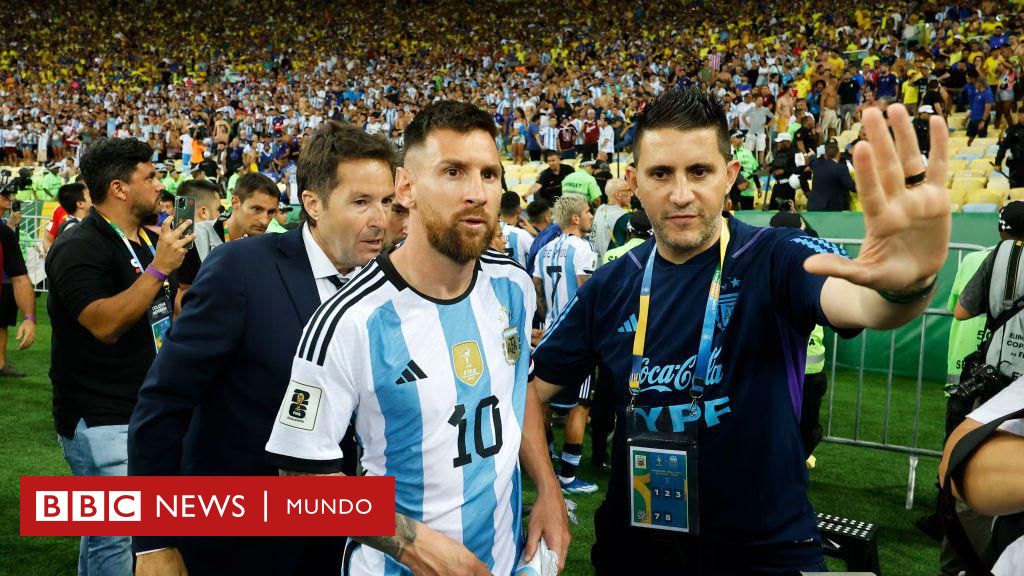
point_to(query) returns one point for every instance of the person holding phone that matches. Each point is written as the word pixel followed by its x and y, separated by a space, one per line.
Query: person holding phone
pixel 109 307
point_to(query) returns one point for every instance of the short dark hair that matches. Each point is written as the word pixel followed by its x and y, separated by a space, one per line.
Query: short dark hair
pixel 166 196
pixel 332 144
pixel 536 209
pixel 109 159
pixel 684 109
pixel 551 153
pixel 252 183
pixel 510 203
pixel 202 190
pixel 69 195
pixel 461 117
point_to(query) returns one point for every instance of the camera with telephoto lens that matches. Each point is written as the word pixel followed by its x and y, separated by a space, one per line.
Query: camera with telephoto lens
pixel 9 185
pixel 981 382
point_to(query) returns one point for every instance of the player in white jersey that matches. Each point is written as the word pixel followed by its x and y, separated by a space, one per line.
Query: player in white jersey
pixel 428 350
pixel 566 262
pixel 563 265
pixel 517 240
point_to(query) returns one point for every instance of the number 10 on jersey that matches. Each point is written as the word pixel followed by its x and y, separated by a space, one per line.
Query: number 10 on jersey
pixel 459 420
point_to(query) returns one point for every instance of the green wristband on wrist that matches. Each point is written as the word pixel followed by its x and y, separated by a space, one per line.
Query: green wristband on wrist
pixel 909 298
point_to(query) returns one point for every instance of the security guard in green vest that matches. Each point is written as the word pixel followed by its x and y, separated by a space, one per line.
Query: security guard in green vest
pixel 169 177
pixel 233 181
pixel 815 381
pixel 744 199
pixel 49 183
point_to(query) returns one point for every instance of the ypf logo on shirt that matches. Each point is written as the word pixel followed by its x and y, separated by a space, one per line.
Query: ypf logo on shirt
pixel 301 406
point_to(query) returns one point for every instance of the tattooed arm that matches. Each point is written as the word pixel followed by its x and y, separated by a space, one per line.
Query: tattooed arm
pixel 422 549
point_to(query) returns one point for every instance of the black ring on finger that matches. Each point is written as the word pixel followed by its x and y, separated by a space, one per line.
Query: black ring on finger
pixel 915 180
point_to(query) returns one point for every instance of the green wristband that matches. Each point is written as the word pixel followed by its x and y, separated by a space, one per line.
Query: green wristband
pixel 909 298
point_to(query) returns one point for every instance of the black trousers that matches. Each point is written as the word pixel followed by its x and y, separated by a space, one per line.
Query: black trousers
pixel 815 386
pixel 621 549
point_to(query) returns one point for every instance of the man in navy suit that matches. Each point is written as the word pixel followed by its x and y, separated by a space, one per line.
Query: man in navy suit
pixel 208 403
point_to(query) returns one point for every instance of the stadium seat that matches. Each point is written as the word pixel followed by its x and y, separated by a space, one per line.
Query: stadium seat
pixel 1016 194
pixel 1001 184
pixel 956 196
pixel 984 197
pixel 968 183
pixel 957 165
pixel 522 189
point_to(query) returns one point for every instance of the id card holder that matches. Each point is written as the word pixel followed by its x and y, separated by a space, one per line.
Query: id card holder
pixel 159 317
pixel 663 478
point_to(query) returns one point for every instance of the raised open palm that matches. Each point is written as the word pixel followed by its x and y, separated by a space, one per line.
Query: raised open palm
pixel 906 225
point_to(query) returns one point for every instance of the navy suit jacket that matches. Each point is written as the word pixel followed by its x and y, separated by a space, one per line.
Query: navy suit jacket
pixel 210 399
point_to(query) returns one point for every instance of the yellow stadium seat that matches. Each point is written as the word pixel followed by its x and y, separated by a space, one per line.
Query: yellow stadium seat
pixel 968 183
pixel 1016 194
pixel 955 207
pixel 956 195
pixel 981 165
pixel 522 189
pixel 956 165
pixel 984 142
pixel 984 197
pixel 1001 184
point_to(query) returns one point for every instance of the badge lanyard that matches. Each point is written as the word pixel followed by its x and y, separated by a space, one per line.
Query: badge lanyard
pixel 142 237
pixel 707 331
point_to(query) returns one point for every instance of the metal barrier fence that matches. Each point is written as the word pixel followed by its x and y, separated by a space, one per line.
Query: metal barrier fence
pixel 914 451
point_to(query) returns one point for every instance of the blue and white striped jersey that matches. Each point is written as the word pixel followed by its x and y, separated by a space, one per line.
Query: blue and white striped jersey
pixel 517 243
pixel 558 265
pixel 437 390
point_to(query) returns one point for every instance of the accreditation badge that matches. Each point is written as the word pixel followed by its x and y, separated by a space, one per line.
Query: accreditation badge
pixel 159 317
pixel 511 344
pixel 662 478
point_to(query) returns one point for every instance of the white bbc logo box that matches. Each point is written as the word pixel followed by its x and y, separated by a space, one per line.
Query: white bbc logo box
pixel 88 506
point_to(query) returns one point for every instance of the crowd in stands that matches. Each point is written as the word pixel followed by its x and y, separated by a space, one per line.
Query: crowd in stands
pixel 242 83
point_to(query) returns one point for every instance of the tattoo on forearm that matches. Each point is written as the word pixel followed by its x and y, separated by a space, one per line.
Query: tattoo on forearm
pixel 394 546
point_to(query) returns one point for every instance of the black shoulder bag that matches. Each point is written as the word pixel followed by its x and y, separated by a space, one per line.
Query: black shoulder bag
pixel 963 450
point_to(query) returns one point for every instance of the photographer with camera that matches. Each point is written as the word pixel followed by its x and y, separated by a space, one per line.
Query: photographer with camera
pixel 995 290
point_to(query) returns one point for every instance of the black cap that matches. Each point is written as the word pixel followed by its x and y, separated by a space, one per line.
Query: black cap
pixel 639 224
pixel 1011 218
pixel 786 220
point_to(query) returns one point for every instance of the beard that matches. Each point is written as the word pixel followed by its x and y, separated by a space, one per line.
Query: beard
pixel 141 211
pixel 448 239
pixel 686 242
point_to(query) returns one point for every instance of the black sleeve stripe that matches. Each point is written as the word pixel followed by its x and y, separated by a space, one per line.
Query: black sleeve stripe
pixel 322 309
pixel 503 260
pixel 325 309
pixel 322 355
pixel 331 318
pixel 314 327
pixel 291 464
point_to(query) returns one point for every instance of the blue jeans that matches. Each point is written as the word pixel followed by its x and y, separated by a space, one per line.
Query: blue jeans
pixel 100 451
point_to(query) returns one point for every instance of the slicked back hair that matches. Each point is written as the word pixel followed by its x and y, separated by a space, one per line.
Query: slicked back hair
pixel 332 144
pixel 683 110
pixel 460 117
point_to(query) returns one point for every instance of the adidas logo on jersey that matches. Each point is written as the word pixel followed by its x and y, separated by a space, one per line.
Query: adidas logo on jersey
pixel 411 374
pixel 629 326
